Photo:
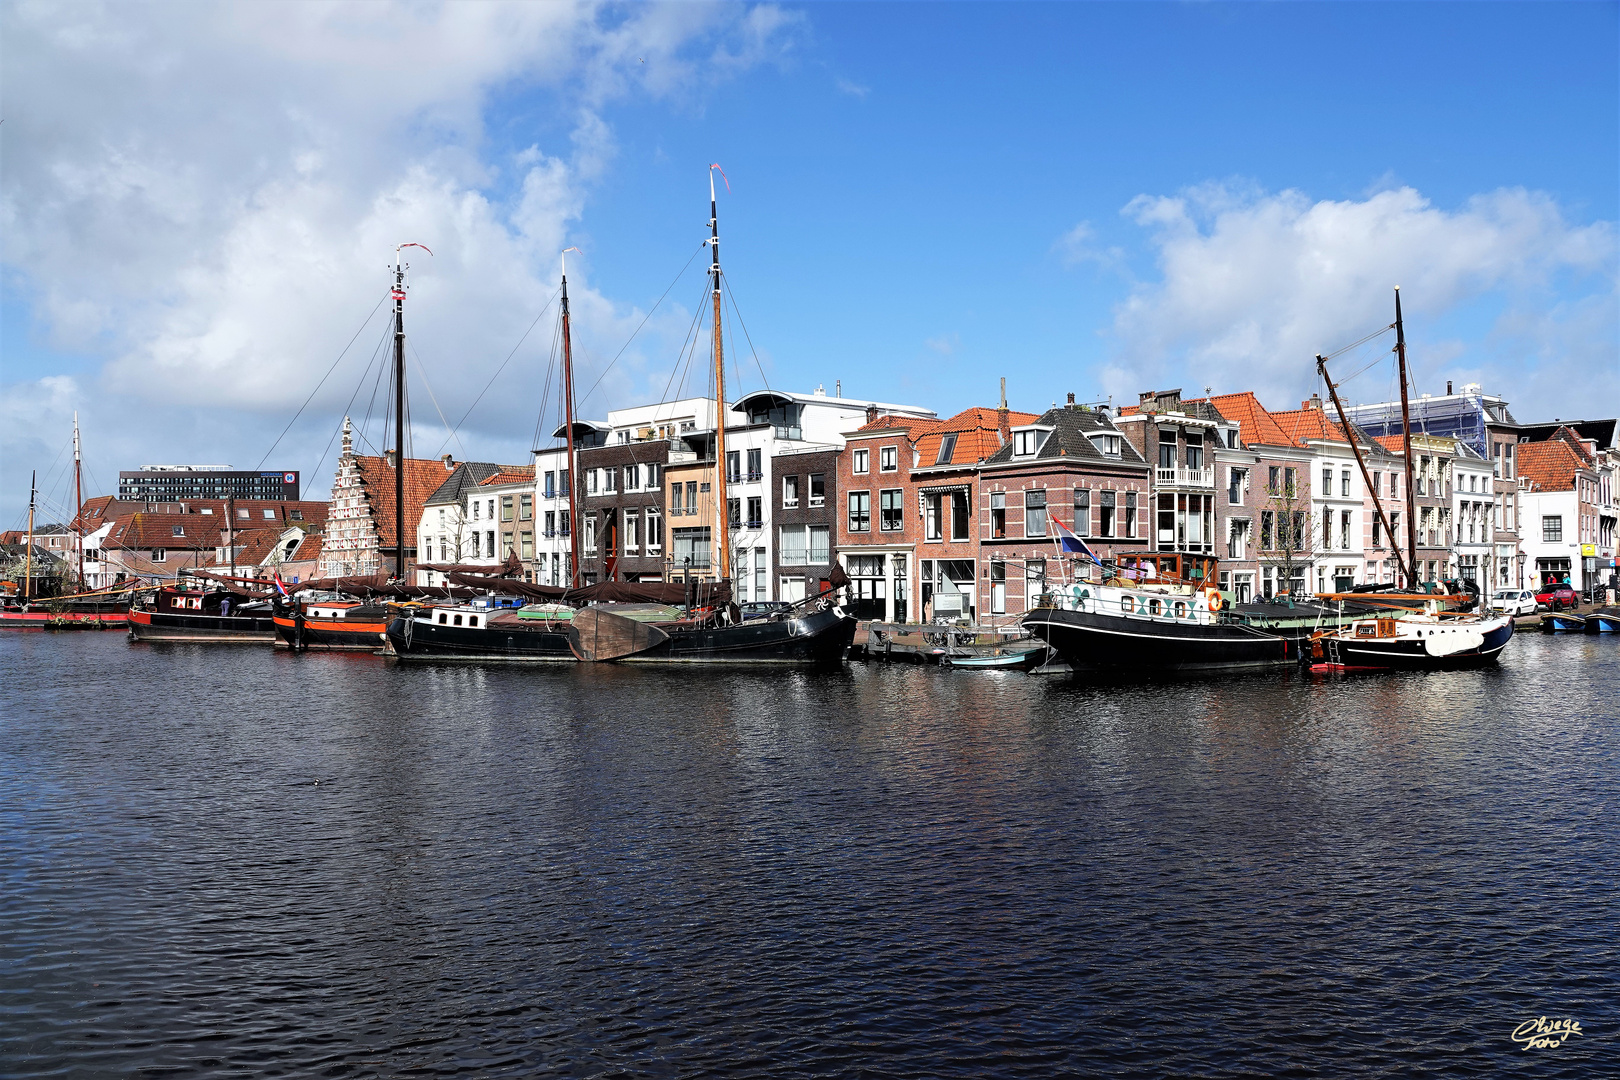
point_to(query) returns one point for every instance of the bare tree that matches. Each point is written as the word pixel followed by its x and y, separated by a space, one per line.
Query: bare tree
pixel 1285 531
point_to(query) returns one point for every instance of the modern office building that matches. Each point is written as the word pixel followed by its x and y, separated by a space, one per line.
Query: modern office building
pixel 170 483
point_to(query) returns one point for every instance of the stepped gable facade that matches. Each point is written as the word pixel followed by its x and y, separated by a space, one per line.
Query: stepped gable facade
pixel 360 539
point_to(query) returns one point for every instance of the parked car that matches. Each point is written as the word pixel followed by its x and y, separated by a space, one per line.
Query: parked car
pixel 1514 601
pixel 1557 597
pixel 764 609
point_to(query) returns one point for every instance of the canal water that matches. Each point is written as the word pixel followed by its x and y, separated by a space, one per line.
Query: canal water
pixel 222 861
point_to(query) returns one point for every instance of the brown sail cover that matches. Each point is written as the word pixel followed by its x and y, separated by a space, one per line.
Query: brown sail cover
pixel 598 634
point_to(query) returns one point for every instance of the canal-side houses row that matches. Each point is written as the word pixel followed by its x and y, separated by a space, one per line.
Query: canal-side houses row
pixel 933 517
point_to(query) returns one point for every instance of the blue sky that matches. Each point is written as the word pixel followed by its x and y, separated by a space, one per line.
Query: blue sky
pixel 1098 198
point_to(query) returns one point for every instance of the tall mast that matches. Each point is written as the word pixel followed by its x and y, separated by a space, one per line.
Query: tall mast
pixel 721 502
pixel 1406 450
pixel 28 552
pixel 568 405
pixel 78 496
pixel 399 416
pixel 1350 433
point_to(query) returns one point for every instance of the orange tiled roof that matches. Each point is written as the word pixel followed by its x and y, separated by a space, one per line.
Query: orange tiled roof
pixel 1256 425
pixel 1550 465
pixel 508 478
pixel 977 435
pixel 1393 443
pixel 148 531
pixel 911 424
pixel 422 478
pixel 1302 424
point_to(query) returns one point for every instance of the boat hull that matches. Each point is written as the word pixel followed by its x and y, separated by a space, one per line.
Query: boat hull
pixel 63 620
pixel 1557 622
pixel 1411 654
pixel 412 640
pixel 217 629
pixel 1088 641
pixel 817 638
pixel 1603 622
pixel 328 635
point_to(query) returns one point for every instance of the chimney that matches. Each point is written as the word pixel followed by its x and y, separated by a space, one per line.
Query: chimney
pixel 449 463
pixel 871 414
pixel 388 458
pixel 1003 420
pixel 1070 402
pixel 1448 387
pixel 1314 403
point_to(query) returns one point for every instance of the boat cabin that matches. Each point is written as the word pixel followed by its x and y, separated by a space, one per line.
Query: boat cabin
pixel 197 601
pixel 1167 567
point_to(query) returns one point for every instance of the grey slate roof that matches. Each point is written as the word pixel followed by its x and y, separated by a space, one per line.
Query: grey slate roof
pixel 1068 440
pixel 465 476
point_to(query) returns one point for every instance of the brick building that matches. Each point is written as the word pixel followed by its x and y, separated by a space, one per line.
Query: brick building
pixel 1071 465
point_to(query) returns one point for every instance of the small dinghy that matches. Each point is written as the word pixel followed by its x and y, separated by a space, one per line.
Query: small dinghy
pixel 1556 621
pixel 1016 658
pixel 1604 621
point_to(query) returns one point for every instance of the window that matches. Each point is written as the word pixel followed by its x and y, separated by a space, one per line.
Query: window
pixel 475 546
pixel 1107 445
pixel 1327 481
pixel 1552 529
pixel 932 527
pixel 160 555
pixel 591 480
pixel 1290 484
pixel 179 530
pixel 241 514
pixel 551 484
pixel 891 510
pixel 734 513
pixel 1195 449
pixel 754 470
pixel 1344 530
pixel 1267 518
pixel 1035 512
pixel 820 545
pixel 655 531
pixel 590 535
pixel 733 466
pixel 998 514
pixel 691 496
pixel 490 537
pixel 632 532
pixel 888 459
pixel 1109 504
pixel 551 524
pixel 296 515
pixel 525 507
pixel 1344 483
pixel 1236 481
pixel 1026 443
pixel 959 515
pixel 756 512
pixel 792 548
pixel 860 511
pixel 1377 526
pixel 860 459
pixel 947 447
pixel 610 481
pixel 1082 512
pixel 1327 527
pixel 1272 480
pixel 691 548
pixel 506 543
pixel 818 488
pixel 998 587
pixel 506 508
pixel 790 491
pixel 269 515
pixel 1167 449
pixel 1130 514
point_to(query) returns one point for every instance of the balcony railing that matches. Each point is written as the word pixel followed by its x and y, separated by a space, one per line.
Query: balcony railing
pixel 1181 476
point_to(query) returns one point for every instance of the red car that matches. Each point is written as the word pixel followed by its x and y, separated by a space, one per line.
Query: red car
pixel 1557 597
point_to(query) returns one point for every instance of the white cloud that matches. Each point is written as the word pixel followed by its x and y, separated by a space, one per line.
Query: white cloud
pixel 1079 245
pixel 207 197
pixel 1254 285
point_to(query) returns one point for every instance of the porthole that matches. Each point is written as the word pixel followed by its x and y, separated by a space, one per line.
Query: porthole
pixel 1127 604
pixel 441 617
pixel 1155 607
pixel 1181 609
pixel 458 620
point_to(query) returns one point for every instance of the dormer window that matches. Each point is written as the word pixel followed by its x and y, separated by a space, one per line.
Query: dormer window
pixel 1107 445
pixel 179 530
pixel 947 447
pixel 1028 442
